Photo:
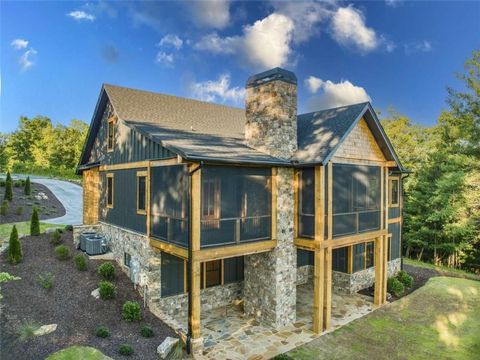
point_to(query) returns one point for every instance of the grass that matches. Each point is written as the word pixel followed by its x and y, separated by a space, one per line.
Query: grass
pixel 443 269
pixel 441 320
pixel 78 352
pixel 23 229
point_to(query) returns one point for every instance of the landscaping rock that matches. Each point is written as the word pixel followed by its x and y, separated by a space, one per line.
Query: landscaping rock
pixel 96 293
pixel 166 347
pixel 45 329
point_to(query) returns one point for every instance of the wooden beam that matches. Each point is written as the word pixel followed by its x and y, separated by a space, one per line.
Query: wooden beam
pixel 385 269
pixel 224 252
pixel 330 201
pixel 196 303
pixel 169 248
pixel 166 162
pixel 377 297
pixel 386 191
pixel 306 244
pixel 352 240
pixel 196 184
pixel 395 220
pixel 350 259
pixel 124 166
pixel 318 289
pixel 319 203
pixel 327 292
pixel 274 204
pixel 149 207
pixel 382 197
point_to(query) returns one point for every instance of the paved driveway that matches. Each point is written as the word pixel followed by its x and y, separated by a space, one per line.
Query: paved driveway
pixel 69 194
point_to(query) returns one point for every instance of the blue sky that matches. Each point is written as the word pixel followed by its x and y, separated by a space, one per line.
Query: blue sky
pixel 56 55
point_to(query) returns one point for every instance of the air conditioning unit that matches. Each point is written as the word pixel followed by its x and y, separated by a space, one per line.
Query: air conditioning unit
pixel 93 245
pixel 83 238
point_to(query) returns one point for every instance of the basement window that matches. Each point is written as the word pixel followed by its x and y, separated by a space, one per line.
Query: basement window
pixel 110 190
pixel 141 192
pixel 126 259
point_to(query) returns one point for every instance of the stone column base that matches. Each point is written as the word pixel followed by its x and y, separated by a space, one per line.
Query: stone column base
pixel 196 346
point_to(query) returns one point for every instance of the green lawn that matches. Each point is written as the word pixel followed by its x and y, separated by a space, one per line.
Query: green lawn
pixel 443 269
pixel 441 320
pixel 78 353
pixel 23 229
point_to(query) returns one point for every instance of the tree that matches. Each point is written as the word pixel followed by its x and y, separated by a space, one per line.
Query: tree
pixel 34 223
pixel 27 189
pixel 4 152
pixel 8 188
pixel 14 247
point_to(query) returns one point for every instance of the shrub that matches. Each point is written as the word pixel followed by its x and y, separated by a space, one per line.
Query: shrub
pixel 131 311
pixel 27 331
pixel 81 262
pixel 62 252
pixel 395 287
pixel 102 332
pixel 28 188
pixel 106 271
pixel 19 210
pixel 3 209
pixel 46 280
pixel 282 357
pixel 14 247
pixel 68 227
pixel 2 183
pixel 34 223
pixel 146 331
pixel 56 238
pixel 405 279
pixel 107 290
pixel 17 183
pixel 8 190
pixel 125 350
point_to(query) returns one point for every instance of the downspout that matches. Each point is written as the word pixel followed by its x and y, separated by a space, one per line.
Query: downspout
pixel 189 262
pixel 401 225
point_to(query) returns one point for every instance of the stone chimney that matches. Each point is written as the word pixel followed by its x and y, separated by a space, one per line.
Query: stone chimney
pixel 271 112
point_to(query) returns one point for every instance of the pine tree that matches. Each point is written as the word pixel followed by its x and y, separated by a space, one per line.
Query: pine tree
pixel 9 177
pixel 34 223
pixel 8 189
pixel 28 189
pixel 14 247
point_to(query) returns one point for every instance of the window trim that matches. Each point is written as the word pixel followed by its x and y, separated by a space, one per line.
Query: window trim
pixel 139 175
pixel 111 175
pixel 112 147
pixel 390 188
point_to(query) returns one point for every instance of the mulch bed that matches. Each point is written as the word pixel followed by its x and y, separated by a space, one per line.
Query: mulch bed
pixel 70 305
pixel 48 208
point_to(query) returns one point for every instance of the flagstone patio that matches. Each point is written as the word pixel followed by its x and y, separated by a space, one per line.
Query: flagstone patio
pixel 228 334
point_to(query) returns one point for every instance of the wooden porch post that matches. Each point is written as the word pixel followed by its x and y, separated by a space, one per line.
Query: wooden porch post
pixel 319 256
pixel 378 295
pixel 327 305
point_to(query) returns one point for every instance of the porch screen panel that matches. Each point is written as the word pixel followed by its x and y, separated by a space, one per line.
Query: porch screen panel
pixel 233 270
pixel 358 257
pixel 236 205
pixel 171 282
pixel 170 204
pixel 394 212
pixel 304 257
pixel 306 203
pixel 395 244
pixel 356 199
pixel 340 259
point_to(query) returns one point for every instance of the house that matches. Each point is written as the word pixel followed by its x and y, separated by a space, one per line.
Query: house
pixel 224 203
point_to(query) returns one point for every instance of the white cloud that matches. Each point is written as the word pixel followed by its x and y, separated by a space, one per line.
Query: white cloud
pixel 265 44
pixel 348 28
pixel 27 60
pixel 417 46
pixel 337 94
pixel 165 59
pixel 19 44
pixel 171 40
pixel 392 3
pixel 313 84
pixel 212 13
pixel 81 15
pixel 218 90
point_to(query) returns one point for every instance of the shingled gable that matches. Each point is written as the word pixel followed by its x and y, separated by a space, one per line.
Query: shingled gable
pixel 202 131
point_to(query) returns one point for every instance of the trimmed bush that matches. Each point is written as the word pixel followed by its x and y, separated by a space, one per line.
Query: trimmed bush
pixel 19 210
pixel 68 227
pixel 14 247
pixel 395 287
pixel 56 238
pixel 28 188
pixel 34 223
pixel 81 262
pixel 405 279
pixel 4 209
pixel 107 290
pixel 46 280
pixel 2 183
pixel 8 190
pixel 17 183
pixel 125 350
pixel 146 331
pixel 131 311
pixel 106 271
pixel 102 332
pixel 62 252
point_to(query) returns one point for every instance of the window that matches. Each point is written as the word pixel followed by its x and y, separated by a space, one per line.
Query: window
pixel 141 192
pixel 126 259
pixel 358 257
pixel 212 273
pixel 110 134
pixel 369 255
pixel 110 193
pixel 233 269
pixel 211 202
pixel 340 259
pixel 394 192
pixel 172 272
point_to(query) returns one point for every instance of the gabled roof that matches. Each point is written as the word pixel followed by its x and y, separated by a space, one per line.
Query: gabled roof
pixel 198 130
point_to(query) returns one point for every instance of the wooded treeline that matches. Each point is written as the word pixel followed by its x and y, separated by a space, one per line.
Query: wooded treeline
pixel 442 195
pixel 38 147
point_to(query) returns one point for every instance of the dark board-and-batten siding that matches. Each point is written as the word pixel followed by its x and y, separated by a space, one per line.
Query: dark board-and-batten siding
pixel 124 211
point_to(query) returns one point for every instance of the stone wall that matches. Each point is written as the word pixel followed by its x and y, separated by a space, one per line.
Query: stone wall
pixel 78 229
pixel 270 278
pixel 304 274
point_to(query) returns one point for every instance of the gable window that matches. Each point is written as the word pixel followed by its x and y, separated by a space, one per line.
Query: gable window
pixel 141 192
pixel 110 190
pixel 110 134
pixel 211 202
pixel 394 192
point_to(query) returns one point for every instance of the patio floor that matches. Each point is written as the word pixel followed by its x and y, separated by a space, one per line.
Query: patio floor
pixel 228 334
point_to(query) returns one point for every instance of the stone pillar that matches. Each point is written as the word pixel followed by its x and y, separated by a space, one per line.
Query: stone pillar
pixel 270 278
